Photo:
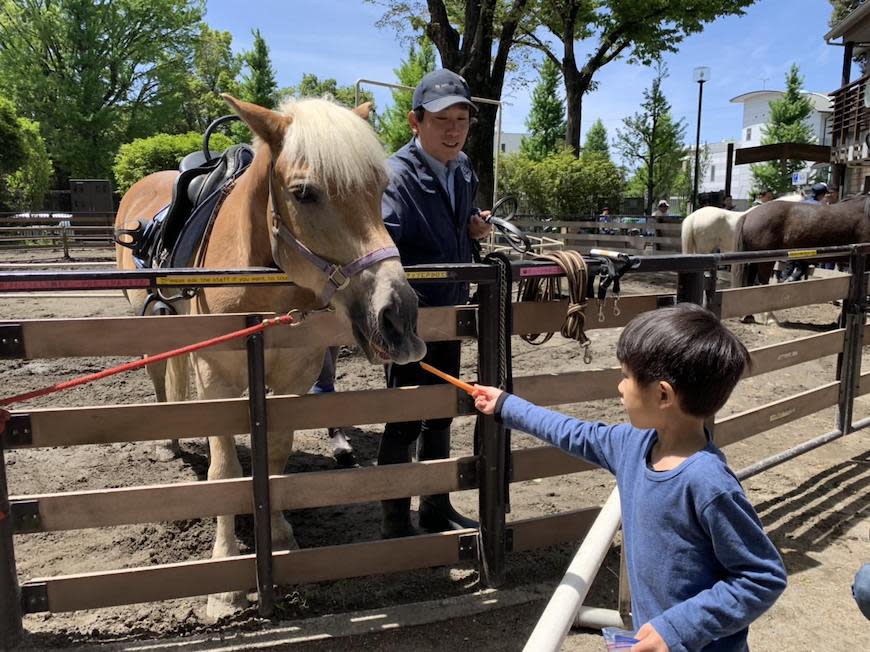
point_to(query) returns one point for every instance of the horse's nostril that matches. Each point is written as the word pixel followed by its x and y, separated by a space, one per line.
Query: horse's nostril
pixel 391 324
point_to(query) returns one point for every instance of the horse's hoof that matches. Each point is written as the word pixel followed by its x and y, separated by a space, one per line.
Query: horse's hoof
pixel 221 605
pixel 168 450
pixel 748 319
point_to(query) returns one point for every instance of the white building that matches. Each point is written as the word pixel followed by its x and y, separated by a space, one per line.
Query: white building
pixel 510 142
pixel 756 114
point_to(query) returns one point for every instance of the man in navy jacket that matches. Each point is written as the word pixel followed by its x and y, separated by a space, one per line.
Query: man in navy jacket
pixel 428 209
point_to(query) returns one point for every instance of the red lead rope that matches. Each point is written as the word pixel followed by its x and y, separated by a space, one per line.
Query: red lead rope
pixel 151 359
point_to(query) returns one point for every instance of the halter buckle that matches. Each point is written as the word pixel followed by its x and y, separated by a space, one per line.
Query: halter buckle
pixel 338 278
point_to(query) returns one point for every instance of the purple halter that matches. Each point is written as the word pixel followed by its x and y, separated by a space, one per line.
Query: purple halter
pixel 337 276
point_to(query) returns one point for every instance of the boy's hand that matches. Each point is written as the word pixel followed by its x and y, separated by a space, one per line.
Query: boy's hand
pixel 649 640
pixel 485 398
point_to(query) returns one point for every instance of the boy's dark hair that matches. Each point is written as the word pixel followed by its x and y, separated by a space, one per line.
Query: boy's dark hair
pixel 686 346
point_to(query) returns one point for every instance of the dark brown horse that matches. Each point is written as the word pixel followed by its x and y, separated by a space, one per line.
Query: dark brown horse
pixel 786 225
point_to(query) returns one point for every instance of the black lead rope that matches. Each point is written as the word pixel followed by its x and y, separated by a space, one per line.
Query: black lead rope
pixel 611 272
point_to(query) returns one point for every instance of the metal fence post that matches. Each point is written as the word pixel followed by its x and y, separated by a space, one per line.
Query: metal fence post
pixel 690 287
pixel 260 468
pixel 492 459
pixel 852 319
pixel 10 592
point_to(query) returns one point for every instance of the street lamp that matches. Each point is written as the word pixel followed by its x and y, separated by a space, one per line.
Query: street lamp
pixel 700 74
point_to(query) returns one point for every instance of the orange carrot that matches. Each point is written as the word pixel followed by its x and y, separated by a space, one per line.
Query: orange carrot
pixel 450 379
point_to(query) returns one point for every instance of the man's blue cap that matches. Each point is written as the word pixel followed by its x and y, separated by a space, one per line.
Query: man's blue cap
pixel 441 89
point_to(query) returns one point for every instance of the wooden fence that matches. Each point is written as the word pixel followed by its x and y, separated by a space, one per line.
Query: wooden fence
pixel 46 427
pixel 631 235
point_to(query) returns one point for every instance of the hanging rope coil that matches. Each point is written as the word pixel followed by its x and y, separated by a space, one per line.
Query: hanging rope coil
pixel 550 289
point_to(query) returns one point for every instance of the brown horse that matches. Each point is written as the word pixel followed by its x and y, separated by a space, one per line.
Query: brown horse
pixel 310 203
pixel 785 225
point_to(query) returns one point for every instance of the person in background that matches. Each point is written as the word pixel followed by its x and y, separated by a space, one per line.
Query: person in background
pixel 428 208
pixel 342 451
pixel 764 196
pixel 728 203
pixel 662 209
pixel 833 195
pixel 700 566
pixel 796 270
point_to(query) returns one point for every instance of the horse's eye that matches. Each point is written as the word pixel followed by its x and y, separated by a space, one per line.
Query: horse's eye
pixel 305 194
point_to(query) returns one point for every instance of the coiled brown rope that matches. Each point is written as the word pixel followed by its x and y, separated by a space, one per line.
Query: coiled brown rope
pixel 550 289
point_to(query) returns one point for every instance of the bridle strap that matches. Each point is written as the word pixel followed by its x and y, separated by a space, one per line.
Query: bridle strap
pixel 337 276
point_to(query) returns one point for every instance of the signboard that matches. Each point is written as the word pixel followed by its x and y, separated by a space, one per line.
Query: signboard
pixel 799 178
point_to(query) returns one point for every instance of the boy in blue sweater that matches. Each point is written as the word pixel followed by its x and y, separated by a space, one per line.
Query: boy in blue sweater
pixel 700 565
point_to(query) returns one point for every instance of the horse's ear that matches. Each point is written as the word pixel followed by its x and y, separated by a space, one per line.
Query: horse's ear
pixel 267 124
pixel 363 110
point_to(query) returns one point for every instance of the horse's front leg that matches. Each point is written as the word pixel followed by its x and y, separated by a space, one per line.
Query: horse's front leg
pixel 224 464
pixel 280 446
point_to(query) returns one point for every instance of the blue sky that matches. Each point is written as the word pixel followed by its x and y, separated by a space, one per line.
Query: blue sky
pixel 339 39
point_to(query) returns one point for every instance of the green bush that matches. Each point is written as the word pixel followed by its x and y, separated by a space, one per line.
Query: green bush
pixel 143 156
pixel 11 145
pixel 25 187
pixel 561 184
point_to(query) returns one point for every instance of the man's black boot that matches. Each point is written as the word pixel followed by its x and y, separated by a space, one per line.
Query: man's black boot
pixel 396 512
pixel 436 512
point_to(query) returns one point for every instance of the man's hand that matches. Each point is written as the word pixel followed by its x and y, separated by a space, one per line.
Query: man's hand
pixel 649 640
pixel 478 227
pixel 485 398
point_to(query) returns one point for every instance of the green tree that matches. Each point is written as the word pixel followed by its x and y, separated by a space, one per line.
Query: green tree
pixel 562 185
pixel 311 86
pixel 596 139
pixel 85 69
pixel 788 124
pixel 842 8
pixel 604 30
pixel 259 85
pixel 215 69
pixel 143 156
pixel 393 126
pixel 25 187
pixel 653 141
pixel 11 141
pixel 546 121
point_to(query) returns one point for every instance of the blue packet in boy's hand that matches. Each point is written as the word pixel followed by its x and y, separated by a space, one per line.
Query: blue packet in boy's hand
pixel 618 639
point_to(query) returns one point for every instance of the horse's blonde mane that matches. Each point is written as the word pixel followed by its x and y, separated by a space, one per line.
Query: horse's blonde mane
pixel 339 149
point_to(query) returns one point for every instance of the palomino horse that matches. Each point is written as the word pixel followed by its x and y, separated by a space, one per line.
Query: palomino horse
pixel 310 202
pixel 710 228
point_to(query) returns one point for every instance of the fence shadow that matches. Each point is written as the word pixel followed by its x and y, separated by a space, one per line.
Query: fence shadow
pixel 817 512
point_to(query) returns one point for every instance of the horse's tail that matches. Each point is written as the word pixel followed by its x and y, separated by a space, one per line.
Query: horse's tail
pixel 687 234
pixel 739 271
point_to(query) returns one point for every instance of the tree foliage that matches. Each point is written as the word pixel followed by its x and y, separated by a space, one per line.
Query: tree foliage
pixel 605 30
pixel 11 141
pixel 788 124
pixel 88 69
pixel 393 126
pixel 311 86
pixel 842 8
pixel 144 156
pixel 596 139
pixel 546 120
pixel 24 188
pixel 561 184
pixel 653 142
pixel 215 71
pixel 259 85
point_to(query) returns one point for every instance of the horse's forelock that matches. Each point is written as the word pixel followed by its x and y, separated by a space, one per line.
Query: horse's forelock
pixel 338 148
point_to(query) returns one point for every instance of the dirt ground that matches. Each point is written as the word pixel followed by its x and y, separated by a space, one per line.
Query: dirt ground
pixel 815 508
